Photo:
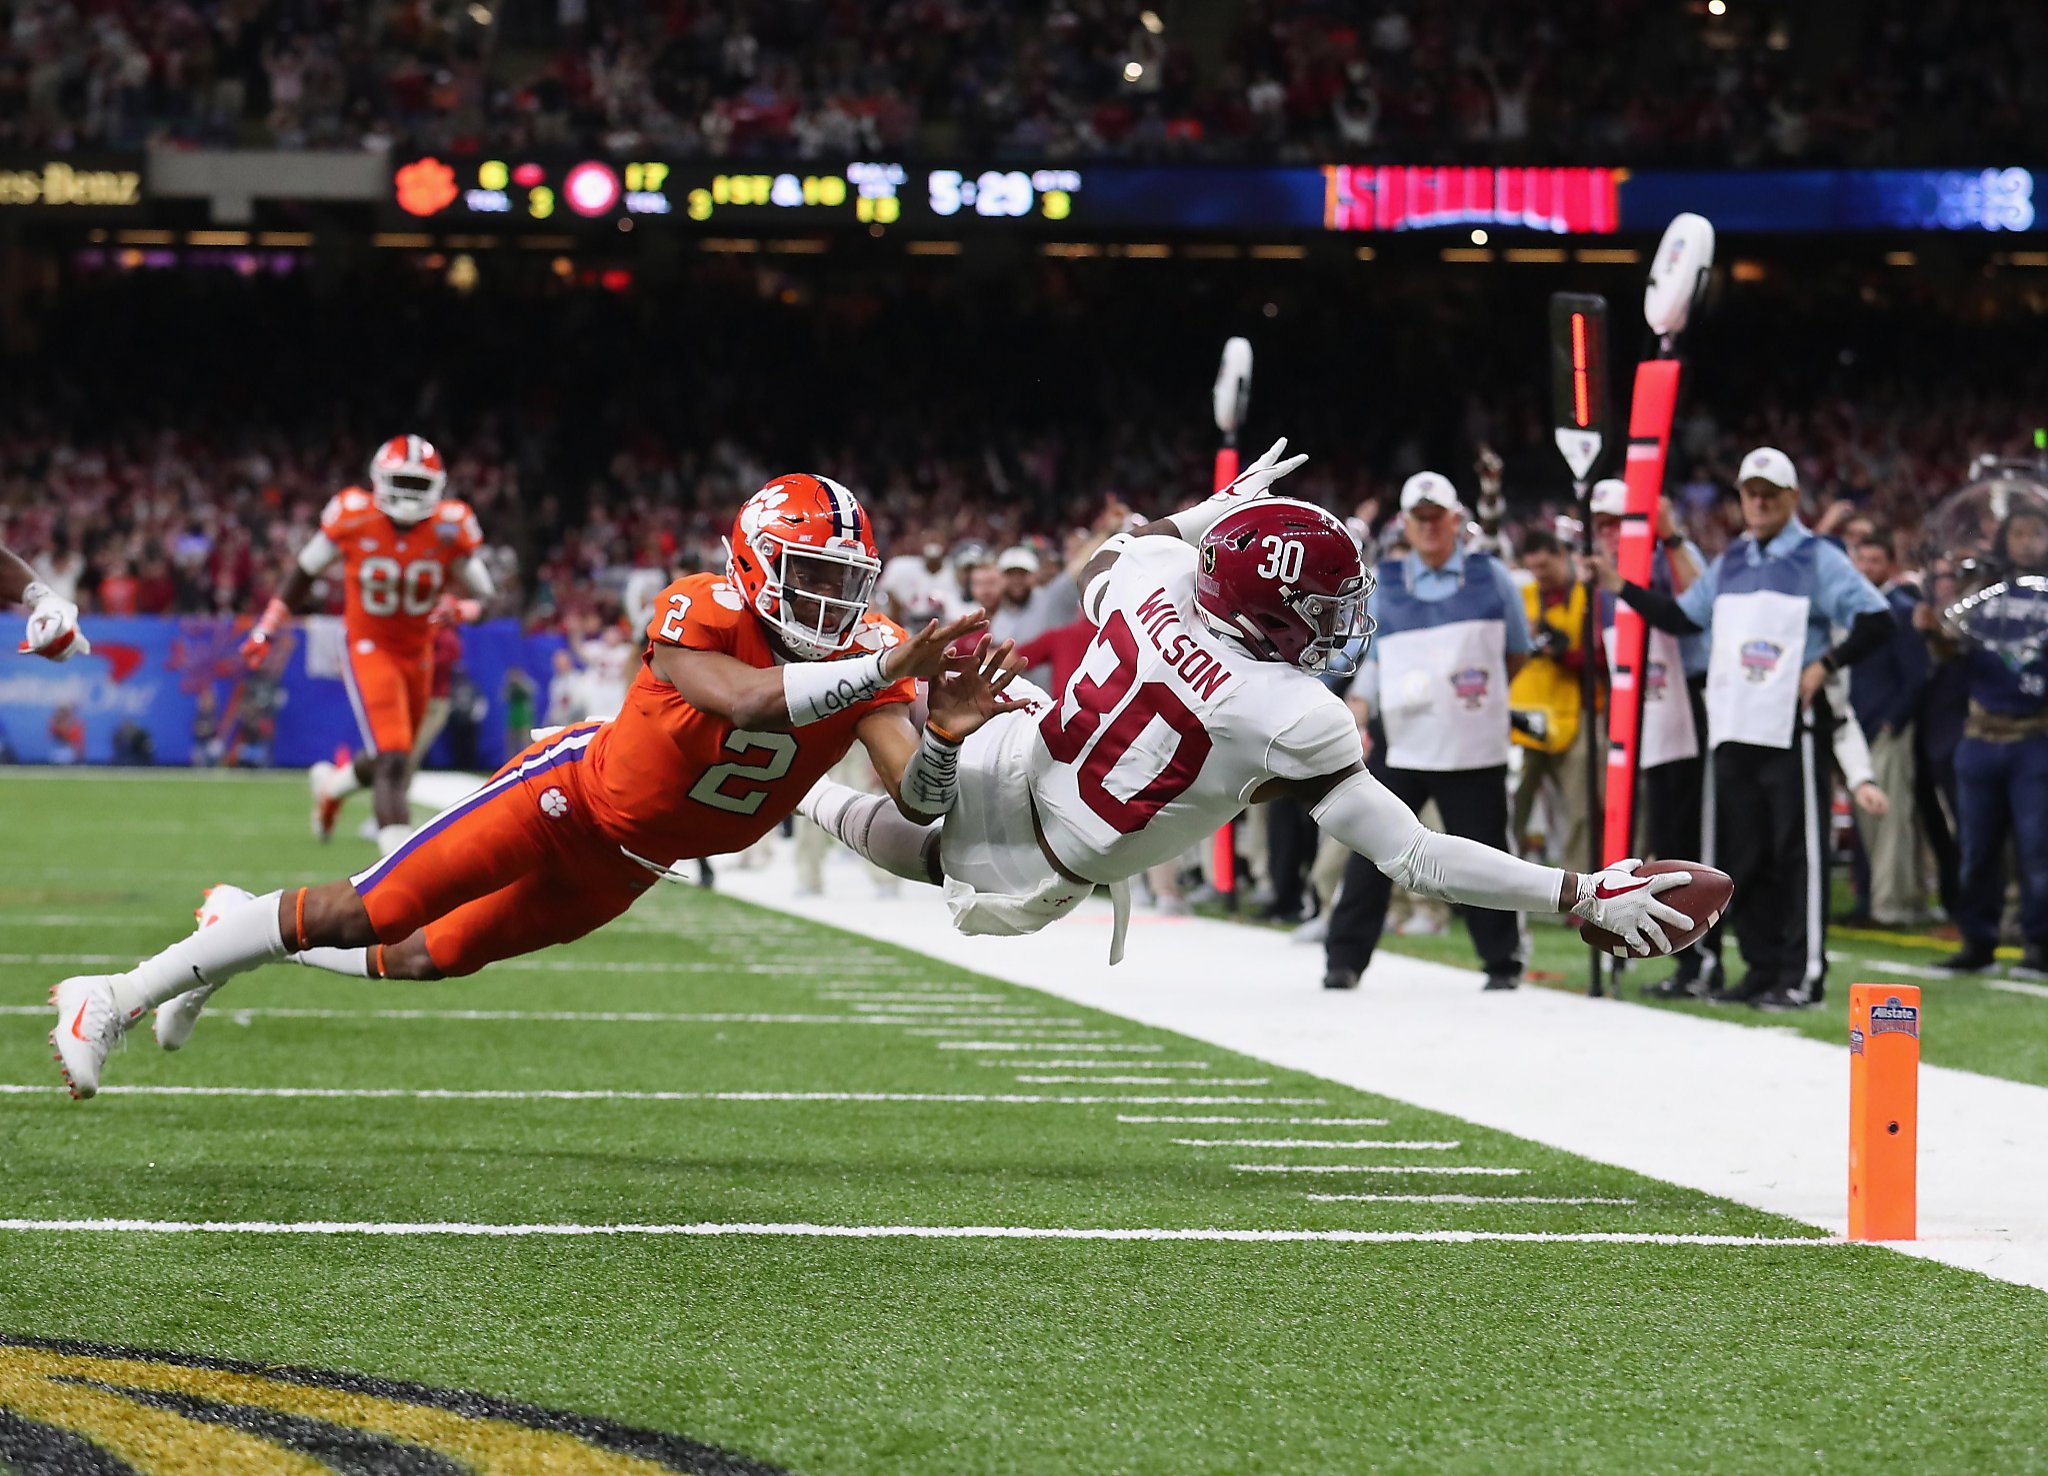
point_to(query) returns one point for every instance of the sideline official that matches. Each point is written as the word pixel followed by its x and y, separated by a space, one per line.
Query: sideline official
pixel 1769 604
pixel 1671 738
pixel 1451 635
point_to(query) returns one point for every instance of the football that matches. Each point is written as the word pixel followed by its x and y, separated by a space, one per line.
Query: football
pixel 1703 899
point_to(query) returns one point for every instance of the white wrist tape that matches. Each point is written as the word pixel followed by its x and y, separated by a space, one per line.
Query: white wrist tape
pixel 1194 523
pixel 816 690
pixel 931 780
pixel 36 593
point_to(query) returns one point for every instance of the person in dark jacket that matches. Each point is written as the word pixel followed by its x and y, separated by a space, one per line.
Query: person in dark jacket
pixel 1884 692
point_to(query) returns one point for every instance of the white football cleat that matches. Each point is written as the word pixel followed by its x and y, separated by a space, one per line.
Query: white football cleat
pixel 176 1017
pixel 89 1025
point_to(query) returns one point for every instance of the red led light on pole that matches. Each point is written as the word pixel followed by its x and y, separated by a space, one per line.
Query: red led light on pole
pixel 1580 411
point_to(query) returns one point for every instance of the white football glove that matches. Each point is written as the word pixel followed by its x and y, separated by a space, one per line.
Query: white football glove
pixel 1252 483
pixel 52 626
pixel 1626 904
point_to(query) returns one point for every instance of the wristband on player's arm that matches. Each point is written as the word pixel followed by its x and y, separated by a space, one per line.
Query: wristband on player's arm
pixel 931 780
pixel 816 690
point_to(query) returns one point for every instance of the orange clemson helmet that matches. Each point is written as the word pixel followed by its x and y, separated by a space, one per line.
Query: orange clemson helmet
pixel 407 478
pixel 802 551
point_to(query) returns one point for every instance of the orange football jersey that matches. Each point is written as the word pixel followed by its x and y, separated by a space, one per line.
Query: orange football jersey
pixel 395 575
pixel 669 782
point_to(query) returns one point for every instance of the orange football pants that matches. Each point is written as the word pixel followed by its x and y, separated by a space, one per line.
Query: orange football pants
pixel 388 692
pixel 513 868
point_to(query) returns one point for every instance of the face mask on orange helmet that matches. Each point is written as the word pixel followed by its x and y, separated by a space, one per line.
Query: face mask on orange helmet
pixel 803 554
pixel 406 479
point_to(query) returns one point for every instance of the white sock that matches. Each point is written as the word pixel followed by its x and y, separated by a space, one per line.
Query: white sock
pixel 391 837
pixel 343 782
pixel 240 939
pixel 439 789
pixel 870 826
pixel 354 962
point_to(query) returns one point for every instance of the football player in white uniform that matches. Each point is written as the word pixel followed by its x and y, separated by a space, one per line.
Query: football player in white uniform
pixel 1197 698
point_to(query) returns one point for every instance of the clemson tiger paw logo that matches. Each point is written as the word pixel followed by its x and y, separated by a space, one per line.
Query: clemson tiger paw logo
pixel 554 803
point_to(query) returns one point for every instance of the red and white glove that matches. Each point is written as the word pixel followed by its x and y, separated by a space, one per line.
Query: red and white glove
pixel 1626 904
pixel 451 610
pixel 1194 523
pixel 256 645
pixel 53 632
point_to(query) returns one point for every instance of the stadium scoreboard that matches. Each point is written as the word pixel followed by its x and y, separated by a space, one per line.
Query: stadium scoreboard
pixel 951 198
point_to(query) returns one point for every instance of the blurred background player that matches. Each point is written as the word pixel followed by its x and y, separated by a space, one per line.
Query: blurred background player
pixel 754 683
pixel 52 620
pixel 401 546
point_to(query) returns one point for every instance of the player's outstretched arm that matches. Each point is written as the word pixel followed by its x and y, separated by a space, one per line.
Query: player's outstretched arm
pixel 921 771
pixel 311 563
pixel 1363 814
pixel 776 699
pixel 52 620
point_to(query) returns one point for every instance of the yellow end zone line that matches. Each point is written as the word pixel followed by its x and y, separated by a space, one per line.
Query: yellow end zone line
pixel 1910 940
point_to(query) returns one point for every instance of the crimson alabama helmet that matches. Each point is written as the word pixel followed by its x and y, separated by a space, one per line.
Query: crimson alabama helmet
pixel 406 478
pixel 1285 579
pixel 802 552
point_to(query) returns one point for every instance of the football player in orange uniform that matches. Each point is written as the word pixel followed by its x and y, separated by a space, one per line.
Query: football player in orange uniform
pixel 753 683
pixel 401 545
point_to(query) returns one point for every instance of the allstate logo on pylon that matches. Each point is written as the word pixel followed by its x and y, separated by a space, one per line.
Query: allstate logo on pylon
pixel 554 803
pixel 1894 1018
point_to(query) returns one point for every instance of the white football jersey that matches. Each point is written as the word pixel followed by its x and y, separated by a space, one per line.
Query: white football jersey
pixel 1166 729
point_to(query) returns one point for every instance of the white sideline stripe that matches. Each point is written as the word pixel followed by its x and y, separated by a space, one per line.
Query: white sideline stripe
pixel 575 1017
pixel 1024 1099
pixel 1349 1122
pixel 1418 1144
pixel 1460 1199
pixel 908 1232
pixel 2015 986
pixel 1374 1168
pixel 1012 1012
pixel 1140 1064
pixel 1221 1081
pixel 1003 1045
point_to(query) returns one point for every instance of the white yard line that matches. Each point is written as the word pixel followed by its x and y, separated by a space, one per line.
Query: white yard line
pixel 1138 1063
pixel 1031 1034
pixel 432 1094
pixel 1000 1045
pixel 576 1017
pixel 2016 986
pixel 906 1232
pixel 1419 1145
pixel 1462 1199
pixel 1289 1121
pixel 1468 1169
pixel 1757 1117
pixel 1221 1081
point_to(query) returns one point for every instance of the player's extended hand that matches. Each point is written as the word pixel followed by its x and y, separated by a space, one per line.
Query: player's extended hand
pixel 929 654
pixel 53 632
pixel 1626 904
pixel 453 610
pixel 1256 479
pixel 961 701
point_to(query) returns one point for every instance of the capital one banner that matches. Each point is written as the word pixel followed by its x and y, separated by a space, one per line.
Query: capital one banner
pixel 151 671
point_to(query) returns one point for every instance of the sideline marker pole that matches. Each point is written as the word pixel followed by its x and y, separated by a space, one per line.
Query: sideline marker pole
pixel 1884 1111
pixel 1231 400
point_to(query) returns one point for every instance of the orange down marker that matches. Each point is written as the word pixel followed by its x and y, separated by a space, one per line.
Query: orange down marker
pixel 1884 1110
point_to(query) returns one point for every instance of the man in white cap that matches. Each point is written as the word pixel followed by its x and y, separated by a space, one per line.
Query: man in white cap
pixel 1030 606
pixel 1769 605
pixel 1452 633
pixel 1671 739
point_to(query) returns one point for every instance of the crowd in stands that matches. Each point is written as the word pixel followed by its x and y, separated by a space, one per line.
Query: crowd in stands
pixel 1619 81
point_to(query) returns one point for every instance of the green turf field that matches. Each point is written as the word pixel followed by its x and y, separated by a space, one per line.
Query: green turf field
pixel 732 1082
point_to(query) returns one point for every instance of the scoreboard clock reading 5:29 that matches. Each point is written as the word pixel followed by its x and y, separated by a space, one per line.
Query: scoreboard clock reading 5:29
pixel 533 191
